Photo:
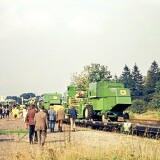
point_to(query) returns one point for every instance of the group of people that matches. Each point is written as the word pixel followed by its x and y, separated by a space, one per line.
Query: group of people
pixel 10 112
pixel 39 122
pixel 5 112
pixel 55 117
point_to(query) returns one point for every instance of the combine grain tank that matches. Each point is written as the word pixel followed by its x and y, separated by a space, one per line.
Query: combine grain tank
pixel 109 100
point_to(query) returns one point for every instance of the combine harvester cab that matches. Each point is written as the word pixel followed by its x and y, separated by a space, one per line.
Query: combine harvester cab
pixel 109 100
pixel 77 98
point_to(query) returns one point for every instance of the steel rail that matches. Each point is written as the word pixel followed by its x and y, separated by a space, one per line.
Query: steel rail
pixel 130 128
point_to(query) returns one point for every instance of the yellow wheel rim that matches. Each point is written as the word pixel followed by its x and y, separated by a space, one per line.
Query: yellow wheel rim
pixel 103 118
pixel 86 113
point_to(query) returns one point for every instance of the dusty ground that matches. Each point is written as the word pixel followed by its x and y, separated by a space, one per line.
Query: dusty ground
pixel 11 143
pixel 8 142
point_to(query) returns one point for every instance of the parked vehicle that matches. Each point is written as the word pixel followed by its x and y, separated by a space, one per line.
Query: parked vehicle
pixel 102 100
pixel 51 99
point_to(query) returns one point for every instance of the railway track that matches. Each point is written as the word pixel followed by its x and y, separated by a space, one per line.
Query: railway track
pixel 145 128
pixel 145 121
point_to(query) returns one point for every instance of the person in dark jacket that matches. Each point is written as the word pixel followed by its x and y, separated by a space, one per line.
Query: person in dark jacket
pixel 30 120
pixel 73 116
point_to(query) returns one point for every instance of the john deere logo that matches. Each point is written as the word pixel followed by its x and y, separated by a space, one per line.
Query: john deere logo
pixel 122 92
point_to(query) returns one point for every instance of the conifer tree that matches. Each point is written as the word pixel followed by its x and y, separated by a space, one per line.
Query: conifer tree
pixel 153 76
pixel 137 83
pixel 126 77
pixel 157 87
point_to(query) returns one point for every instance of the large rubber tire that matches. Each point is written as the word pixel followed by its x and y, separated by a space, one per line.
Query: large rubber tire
pixel 126 116
pixel 88 112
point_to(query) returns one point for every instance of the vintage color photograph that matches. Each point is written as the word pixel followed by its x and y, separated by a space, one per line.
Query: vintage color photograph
pixel 80 80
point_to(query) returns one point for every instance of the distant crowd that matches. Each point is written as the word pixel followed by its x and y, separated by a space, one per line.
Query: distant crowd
pixel 5 112
pixel 10 112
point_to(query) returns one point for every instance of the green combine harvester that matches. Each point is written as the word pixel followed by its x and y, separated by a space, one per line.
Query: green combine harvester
pixel 51 99
pixel 103 100
pixel 109 100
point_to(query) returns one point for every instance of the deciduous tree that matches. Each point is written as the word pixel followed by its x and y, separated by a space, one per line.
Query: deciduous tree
pixel 91 73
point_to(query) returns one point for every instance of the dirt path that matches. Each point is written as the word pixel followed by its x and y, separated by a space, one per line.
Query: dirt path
pixel 11 143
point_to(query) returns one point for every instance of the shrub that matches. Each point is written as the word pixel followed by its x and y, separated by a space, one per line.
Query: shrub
pixel 138 106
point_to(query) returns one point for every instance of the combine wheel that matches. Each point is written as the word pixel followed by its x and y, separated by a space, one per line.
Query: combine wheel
pixel 88 112
pixel 126 116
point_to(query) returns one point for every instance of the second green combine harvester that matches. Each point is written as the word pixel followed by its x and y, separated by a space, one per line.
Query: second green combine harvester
pixel 52 99
pixel 103 100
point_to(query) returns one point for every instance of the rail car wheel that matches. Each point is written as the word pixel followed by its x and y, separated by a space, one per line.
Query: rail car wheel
pixel 88 112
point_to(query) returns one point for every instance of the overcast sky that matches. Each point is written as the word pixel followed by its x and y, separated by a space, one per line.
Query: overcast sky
pixel 43 42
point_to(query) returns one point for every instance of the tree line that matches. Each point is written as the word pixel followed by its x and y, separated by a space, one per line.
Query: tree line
pixel 145 90
pixel 23 98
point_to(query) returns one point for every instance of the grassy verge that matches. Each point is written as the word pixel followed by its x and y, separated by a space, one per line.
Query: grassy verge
pixel 150 115
pixel 128 148
pixel 13 131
